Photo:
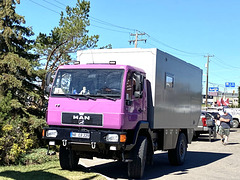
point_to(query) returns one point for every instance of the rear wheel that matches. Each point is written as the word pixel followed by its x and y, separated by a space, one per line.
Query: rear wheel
pixel 68 158
pixel 139 153
pixel 177 156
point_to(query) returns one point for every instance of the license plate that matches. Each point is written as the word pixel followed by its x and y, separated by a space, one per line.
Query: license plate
pixel 80 135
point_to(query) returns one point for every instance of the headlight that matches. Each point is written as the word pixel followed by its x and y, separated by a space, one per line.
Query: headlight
pixel 112 138
pixel 51 133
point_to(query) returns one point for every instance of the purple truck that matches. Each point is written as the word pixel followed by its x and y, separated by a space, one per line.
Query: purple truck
pixel 123 104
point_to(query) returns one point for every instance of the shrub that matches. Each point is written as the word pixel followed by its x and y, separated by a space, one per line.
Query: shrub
pixel 37 156
pixel 18 133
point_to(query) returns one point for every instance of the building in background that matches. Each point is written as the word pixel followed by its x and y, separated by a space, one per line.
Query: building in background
pixel 213 98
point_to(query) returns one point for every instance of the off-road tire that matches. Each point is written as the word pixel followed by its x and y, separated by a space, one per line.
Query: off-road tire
pixel 139 153
pixel 68 158
pixel 177 156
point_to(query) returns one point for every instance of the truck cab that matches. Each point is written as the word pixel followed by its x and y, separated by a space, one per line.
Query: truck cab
pixel 93 111
pixel 110 97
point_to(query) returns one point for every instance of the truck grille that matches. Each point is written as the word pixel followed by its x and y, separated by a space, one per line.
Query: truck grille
pixel 83 119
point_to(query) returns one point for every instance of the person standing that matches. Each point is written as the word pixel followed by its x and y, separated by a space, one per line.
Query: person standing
pixel 224 129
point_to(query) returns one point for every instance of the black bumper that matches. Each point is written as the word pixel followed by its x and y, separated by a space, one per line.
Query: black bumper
pixel 96 136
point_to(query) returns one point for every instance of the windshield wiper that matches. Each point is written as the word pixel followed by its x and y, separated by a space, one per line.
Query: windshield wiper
pixel 70 96
pixel 107 97
pixel 75 96
pixel 87 96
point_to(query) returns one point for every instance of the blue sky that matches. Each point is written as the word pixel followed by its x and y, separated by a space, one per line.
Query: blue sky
pixel 187 29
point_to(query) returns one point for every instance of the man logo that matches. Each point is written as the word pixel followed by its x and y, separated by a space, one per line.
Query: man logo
pixel 81 122
pixel 82 117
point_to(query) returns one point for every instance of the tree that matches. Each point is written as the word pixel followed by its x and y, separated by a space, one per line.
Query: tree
pixel 20 115
pixel 71 35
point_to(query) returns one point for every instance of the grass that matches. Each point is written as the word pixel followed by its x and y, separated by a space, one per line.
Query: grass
pixel 49 170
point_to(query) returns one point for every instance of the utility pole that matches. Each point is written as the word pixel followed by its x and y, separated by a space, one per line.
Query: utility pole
pixel 206 102
pixel 136 38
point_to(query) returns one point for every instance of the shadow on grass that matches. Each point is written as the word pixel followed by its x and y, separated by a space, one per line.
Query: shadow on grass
pixel 36 175
pixel 42 174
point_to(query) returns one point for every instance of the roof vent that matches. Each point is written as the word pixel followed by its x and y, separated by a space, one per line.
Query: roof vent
pixel 112 62
pixel 76 62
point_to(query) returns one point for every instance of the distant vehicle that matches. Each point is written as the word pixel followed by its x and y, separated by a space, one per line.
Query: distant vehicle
pixel 235 112
pixel 206 125
pixel 214 114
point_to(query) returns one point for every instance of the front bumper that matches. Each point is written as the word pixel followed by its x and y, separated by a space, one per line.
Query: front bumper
pixel 78 137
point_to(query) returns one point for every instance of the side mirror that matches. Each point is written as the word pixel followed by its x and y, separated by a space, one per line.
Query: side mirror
pixel 48 89
pixel 48 78
pixel 139 86
pixel 138 82
pixel 47 82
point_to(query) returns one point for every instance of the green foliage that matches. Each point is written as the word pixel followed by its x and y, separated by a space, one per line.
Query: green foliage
pixel 37 156
pixel 109 46
pixel 20 113
pixel 71 35
pixel 18 134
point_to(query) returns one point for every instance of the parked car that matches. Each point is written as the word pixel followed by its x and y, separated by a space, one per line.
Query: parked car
pixel 235 112
pixel 214 114
pixel 206 125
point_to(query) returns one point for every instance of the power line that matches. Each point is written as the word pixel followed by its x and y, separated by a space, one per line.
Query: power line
pixel 110 24
pixel 53 4
pixel 224 66
pixel 113 25
pixel 221 61
pixel 109 29
pixel 60 3
pixel 164 44
pixel 45 7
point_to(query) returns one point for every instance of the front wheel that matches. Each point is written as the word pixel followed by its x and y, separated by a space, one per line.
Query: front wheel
pixel 177 156
pixel 139 153
pixel 68 158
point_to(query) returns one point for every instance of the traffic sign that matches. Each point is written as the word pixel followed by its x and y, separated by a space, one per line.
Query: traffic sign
pixel 229 84
pixel 213 89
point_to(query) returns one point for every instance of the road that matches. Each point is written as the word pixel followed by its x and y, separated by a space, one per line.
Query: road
pixel 205 160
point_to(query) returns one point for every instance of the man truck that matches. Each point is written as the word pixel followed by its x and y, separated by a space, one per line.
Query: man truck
pixel 123 104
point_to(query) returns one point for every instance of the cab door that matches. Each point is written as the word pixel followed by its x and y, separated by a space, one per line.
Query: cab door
pixel 135 109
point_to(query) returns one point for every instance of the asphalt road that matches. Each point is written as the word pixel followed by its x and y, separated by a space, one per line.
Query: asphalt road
pixel 205 160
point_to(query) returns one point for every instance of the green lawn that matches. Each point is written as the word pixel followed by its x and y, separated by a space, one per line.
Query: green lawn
pixel 50 170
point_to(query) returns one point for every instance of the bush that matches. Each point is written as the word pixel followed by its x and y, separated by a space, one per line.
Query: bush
pixel 18 133
pixel 37 156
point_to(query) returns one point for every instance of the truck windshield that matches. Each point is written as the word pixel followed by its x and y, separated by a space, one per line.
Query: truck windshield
pixel 99 83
